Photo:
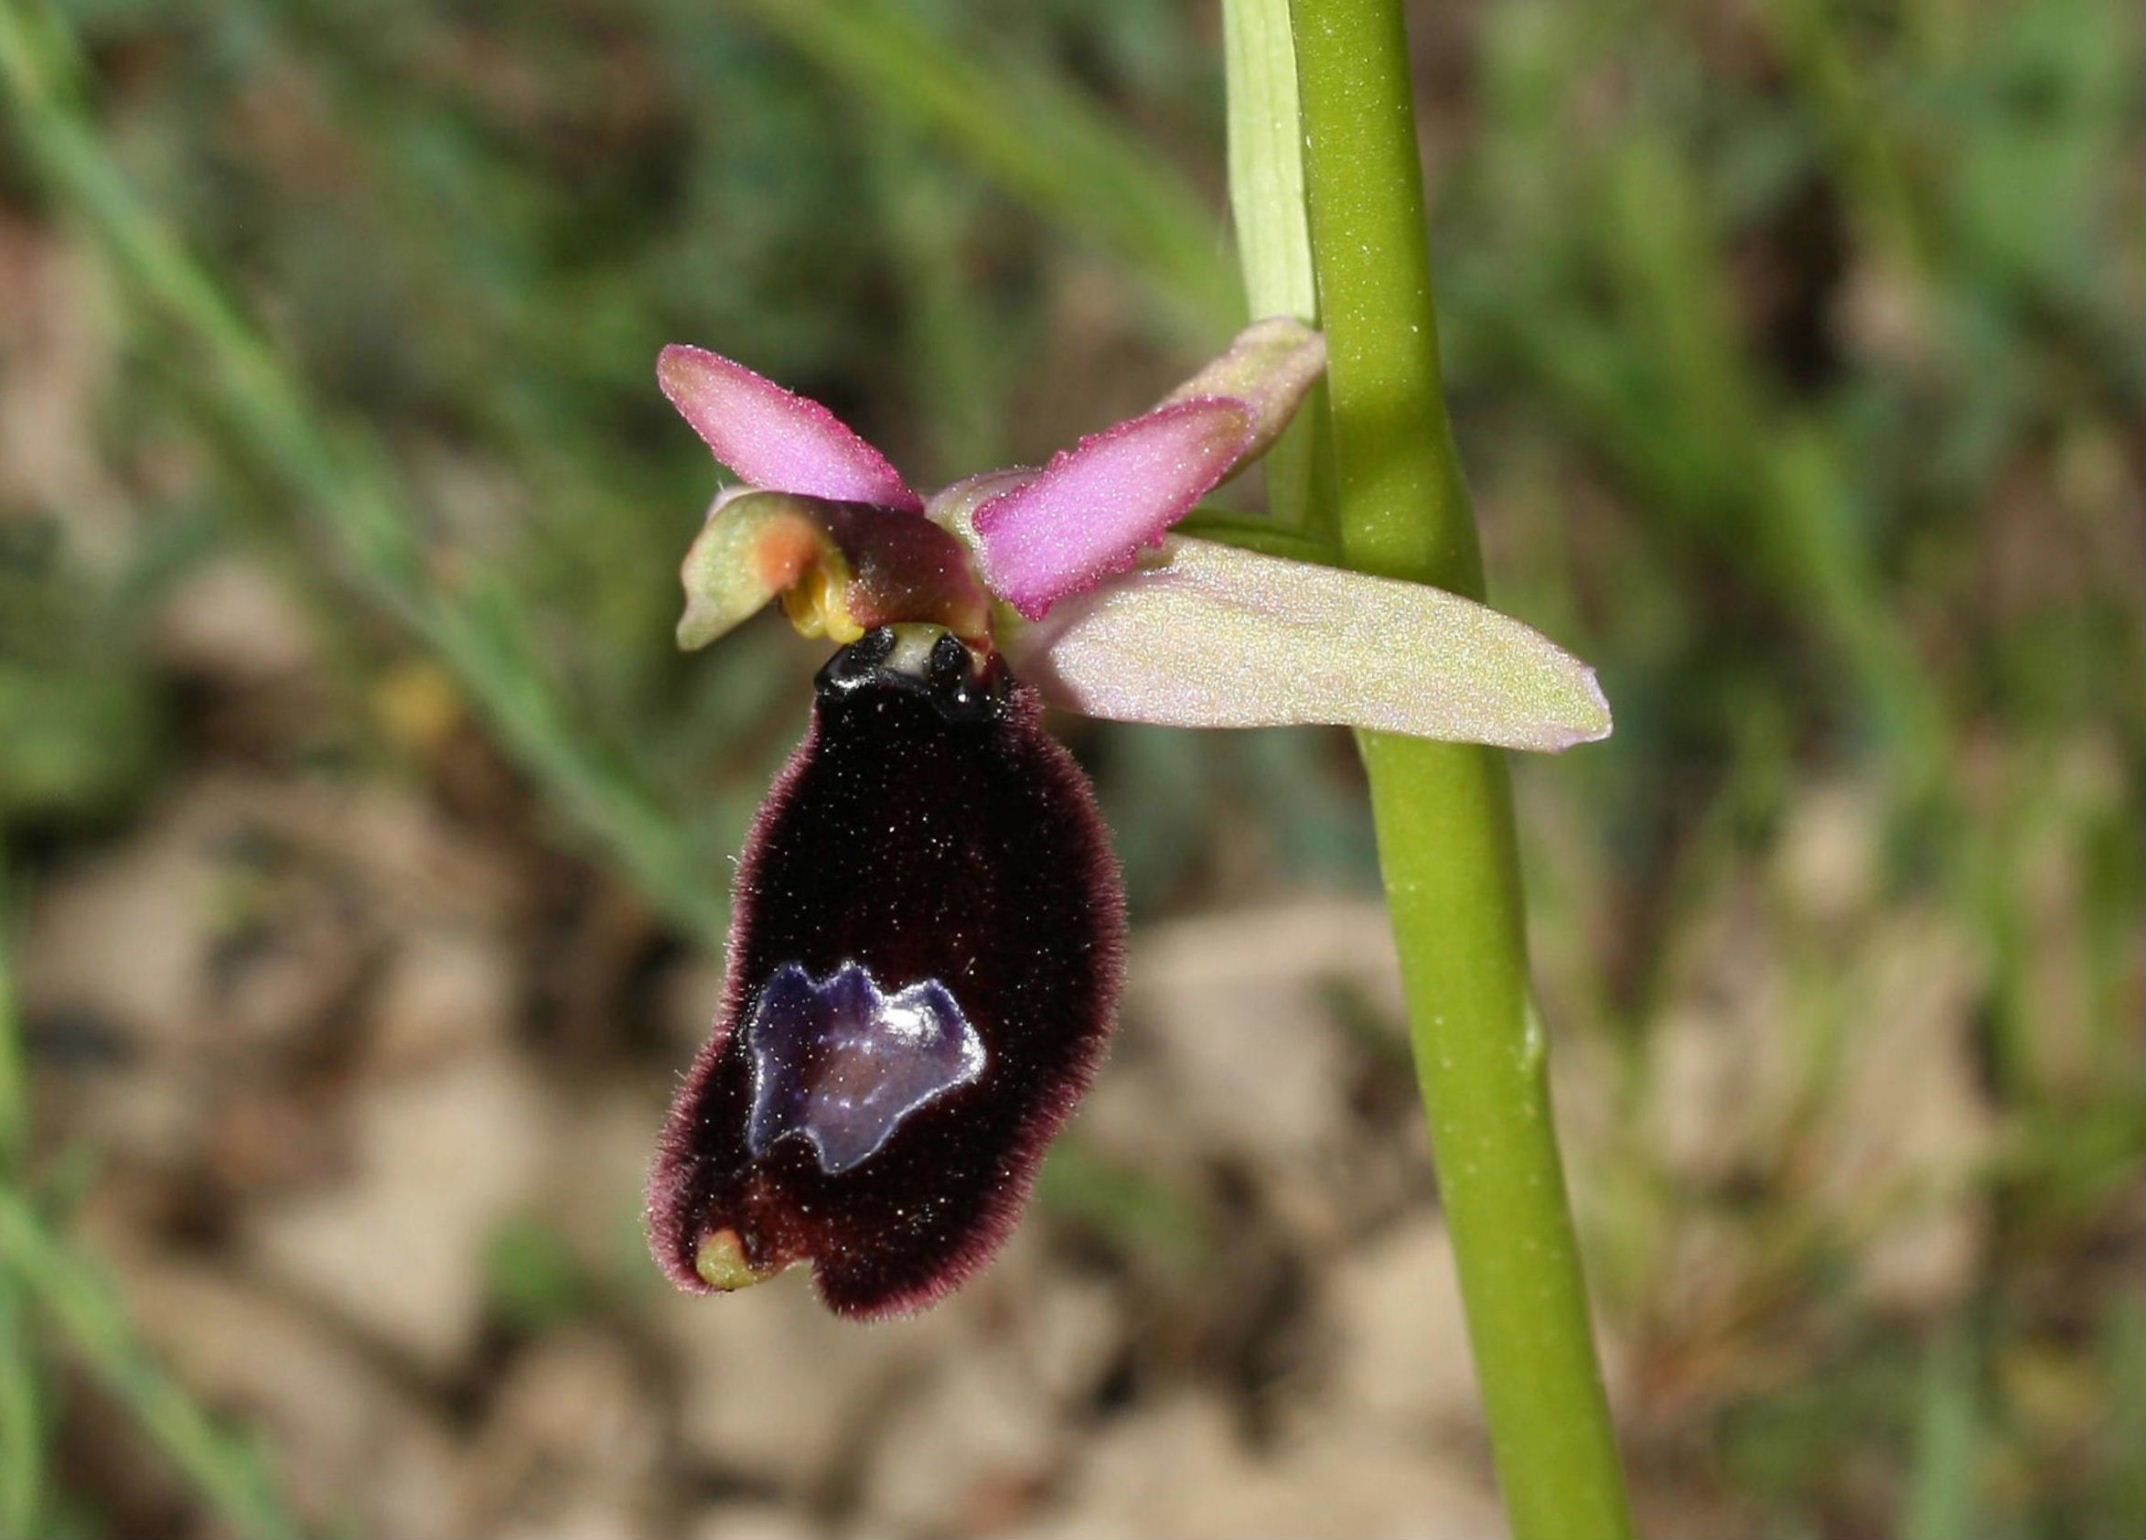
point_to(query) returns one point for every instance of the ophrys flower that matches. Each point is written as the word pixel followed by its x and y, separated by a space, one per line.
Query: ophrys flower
pixel 928 923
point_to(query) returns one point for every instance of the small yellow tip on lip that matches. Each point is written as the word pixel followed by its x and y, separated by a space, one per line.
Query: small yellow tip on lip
pixel 722 1264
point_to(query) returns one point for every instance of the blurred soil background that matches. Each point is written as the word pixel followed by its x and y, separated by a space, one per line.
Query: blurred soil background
pixel 367 843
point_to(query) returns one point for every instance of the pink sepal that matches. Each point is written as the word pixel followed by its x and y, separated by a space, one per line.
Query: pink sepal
pixel 774 438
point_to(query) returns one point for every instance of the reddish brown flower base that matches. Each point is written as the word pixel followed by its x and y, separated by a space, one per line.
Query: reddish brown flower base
pixel 924 969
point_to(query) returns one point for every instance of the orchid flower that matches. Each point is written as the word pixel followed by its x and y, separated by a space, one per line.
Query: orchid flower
pixel 928 923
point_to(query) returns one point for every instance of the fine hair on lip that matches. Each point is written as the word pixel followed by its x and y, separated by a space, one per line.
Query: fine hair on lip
pixel 927 836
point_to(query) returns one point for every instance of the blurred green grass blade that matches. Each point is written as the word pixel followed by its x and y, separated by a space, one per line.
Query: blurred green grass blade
pixel 1857 116
pixel 1044 144
pixel 342 478
pixel 22 1420
pixel 34 1269
pixel 953 341
pixel 1828 567
pixel 36 60
pixel 226 1471
pixel 1941 1494
pixel 1126 1206
pixel 2121 1483
pixel 1741 467
pixel 14 1064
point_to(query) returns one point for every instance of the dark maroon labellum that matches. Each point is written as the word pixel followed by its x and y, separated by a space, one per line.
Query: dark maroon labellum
pixel 924 965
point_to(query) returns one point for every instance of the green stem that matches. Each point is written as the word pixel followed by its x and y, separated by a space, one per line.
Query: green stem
pixel 1444 811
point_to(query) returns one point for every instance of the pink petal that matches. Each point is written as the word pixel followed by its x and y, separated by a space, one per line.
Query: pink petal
pixel 775 438
pixel 1094 508
pixel 954 508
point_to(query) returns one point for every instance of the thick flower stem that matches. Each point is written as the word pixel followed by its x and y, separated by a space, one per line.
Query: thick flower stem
pixel 1444 812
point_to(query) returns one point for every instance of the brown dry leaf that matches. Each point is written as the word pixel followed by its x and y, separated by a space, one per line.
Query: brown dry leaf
pixel 398 1248
pixel 1232 1036
pixel 57 357
pixel 233 620
pixel 342 1428
pixel 1402 1362
pixel 1181 1470
pixel 574 1444
pixel 1909 1127
pixel 769 1382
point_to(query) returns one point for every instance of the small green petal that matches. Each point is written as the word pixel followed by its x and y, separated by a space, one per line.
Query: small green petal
pixel 754 547
pixel 840 569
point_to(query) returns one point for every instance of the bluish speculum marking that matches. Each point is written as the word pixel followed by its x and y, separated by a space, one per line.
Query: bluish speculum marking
pixel 843 1064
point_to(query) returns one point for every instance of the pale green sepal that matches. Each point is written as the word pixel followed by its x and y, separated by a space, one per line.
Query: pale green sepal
pixel 1209 635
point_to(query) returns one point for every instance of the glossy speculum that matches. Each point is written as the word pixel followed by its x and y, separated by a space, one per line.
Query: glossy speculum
pixel 841 1064
pixel 925 957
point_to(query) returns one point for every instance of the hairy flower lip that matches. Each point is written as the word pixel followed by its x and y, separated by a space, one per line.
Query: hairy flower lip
pixel 928 831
